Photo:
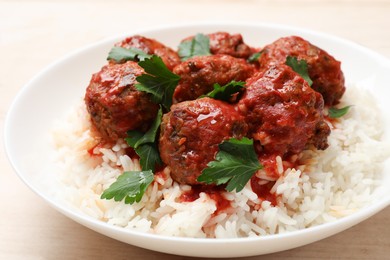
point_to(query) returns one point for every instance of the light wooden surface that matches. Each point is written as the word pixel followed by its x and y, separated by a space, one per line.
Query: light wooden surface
pixel 36 33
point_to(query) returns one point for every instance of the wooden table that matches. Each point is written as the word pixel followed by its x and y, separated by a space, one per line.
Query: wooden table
pixel 36 33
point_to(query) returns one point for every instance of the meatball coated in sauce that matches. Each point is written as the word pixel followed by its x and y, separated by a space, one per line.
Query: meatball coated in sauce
pixel 230 44
pixel 115 105
pixel 151 46
pixel 191 132
pixel 283 113
pixel 198 74
pixel 324 70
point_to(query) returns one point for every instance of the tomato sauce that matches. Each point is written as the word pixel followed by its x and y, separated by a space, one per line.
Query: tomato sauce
pixel 270 165
pixel 263 191
pixel 98 145
pixel 159 172
pixel 214 193
pixel 331 120
pixel 131 153
pixel 291 162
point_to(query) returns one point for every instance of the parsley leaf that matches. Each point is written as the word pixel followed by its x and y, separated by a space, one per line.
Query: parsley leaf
pixel 145 146
pixel 197 46
pixel 133 137
pixel 130 186
pixel 149 156
pixel 225 92
pixel 120 54
pixel 148 153
pixel 235 164
pixel 254 57
pixel 150 135
pixel 338 112
pixel 300 67
pixel 159 81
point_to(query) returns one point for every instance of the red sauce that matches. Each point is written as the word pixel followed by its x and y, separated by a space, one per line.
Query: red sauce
pixel 220 201
pixel 160 169
pixel 269 164
pixel 263 191
pixel 331 120
pixel 98 145
pixel 90 151
pixel 191 195
pixel 291 161
pixel 214 193
pixel 159 172
pixel 131 153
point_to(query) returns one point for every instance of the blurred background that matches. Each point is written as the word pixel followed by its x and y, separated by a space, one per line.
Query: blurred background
pixel 34 34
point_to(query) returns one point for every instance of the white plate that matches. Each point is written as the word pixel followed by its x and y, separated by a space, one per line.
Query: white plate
pixel 51 93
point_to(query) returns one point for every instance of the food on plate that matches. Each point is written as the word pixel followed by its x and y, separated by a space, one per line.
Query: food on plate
pixel 219 139
pixel 324 70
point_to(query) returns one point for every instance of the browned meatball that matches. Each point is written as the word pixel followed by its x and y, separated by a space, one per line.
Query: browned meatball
pixel 229 44
pixel 151 46
pixel 115 105
pixel 324 70
pixel 198 74
pixel 283 112
pixel 191 132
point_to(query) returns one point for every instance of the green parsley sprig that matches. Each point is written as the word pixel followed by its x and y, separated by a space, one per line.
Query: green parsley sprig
pixel 158 81
pixel 129 186
pixel 145 144
pixel 120 54
pixel 197 46
pixel 255 57
pixel 235 164
pixel 226 92
pixel 300 67
pixel 334 112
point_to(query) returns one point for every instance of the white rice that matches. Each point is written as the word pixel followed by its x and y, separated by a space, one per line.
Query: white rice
pixel 334 183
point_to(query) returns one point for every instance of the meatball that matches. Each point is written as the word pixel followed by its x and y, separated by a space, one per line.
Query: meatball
pixel 150 46
pixel 230 44
pixel 283 113
pixel 324 70
pixel 198 74
pixel 115 105
pixel 191 132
